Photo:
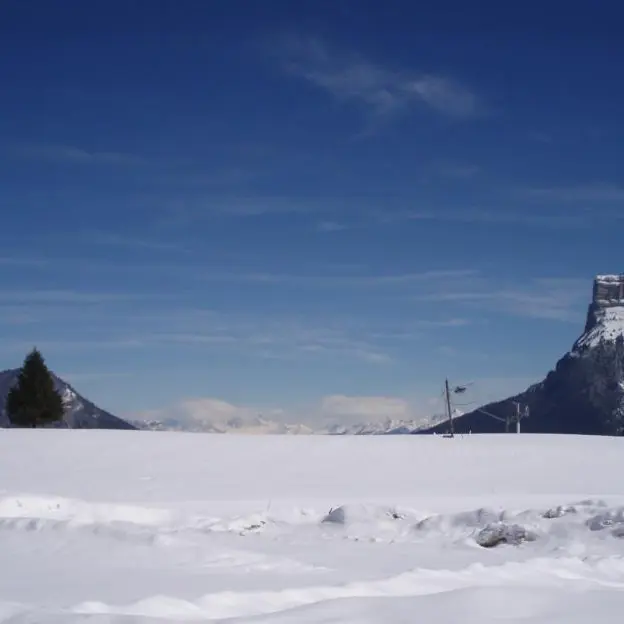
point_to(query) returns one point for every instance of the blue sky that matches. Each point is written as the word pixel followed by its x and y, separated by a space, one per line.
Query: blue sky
pixel 308 209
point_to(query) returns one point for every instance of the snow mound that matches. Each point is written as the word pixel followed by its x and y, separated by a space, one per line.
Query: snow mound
pixel 610 518
pixel 446 523
pixel 496 534
pixel 361 514
pixel 374 523
pixel 496 584
pixel 564 527
pixel 80 512
pixel 241 525
pixel 485 526
pixel 559 511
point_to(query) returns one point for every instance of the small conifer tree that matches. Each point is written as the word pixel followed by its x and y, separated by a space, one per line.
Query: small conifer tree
pixel 34 401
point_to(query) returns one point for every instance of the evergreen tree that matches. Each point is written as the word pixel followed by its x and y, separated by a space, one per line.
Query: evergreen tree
pixel 34 401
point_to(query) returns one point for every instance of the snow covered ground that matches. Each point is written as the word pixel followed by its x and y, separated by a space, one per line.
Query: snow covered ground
pixel 144 527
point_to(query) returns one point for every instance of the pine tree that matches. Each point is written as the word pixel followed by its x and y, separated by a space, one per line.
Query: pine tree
pixel 33 401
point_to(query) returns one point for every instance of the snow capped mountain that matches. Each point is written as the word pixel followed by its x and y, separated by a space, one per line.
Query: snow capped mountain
pixel 259 425
pixel 605 318
pixel 79 412
pixel 389 426
pixel 584 394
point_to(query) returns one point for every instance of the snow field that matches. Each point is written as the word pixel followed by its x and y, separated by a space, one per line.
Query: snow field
pixel 142 527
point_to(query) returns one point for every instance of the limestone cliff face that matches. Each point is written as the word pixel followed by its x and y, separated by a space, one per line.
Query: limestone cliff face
pixel 584 394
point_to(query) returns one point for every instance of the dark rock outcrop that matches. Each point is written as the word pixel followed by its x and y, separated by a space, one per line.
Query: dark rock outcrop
pixel 496 534
pixel 79 412
pixel 584 394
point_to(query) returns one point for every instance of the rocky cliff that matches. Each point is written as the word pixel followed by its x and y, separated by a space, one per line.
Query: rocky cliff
pixel 584 394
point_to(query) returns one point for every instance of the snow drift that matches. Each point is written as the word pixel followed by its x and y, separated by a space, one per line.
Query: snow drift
pixel 112 526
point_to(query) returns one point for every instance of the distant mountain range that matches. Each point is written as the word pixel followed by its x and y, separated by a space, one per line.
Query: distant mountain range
pixel 262 426
pixel 80 413
pixel 584 394
pixel 256 425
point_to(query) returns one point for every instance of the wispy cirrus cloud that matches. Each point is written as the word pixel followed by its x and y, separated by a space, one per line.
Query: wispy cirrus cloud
pixel 375 342
pixel 70 297
pixel 23 261
pixel 113 239
pixel 70 345
pixel 501 216
pixel 182 212
pixel 381 90
pixel 557 299
pixel 27 318
pixel 285 340
pixel 74 155
pixel 454 170
pixel 388 279
pixel 607 193
pixel 72 377
pixel 331 226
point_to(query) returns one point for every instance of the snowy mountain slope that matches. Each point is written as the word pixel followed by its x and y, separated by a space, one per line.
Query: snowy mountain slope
pixel 79 412
pixel 309 529
pixel 585 392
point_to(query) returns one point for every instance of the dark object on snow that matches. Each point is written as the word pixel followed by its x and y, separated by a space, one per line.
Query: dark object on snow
pixel 496 534
pixel 559 512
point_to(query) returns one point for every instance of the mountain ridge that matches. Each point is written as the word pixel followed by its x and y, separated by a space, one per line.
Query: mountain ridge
pixel 584 393
pixel 259 425
pixel 80 413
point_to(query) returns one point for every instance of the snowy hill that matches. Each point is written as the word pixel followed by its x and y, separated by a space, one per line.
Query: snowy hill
pixel 119 527
pixel 79 412
pixel 584 394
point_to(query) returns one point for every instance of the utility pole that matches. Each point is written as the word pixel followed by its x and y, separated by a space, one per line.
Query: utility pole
pixel 520 414
pixel 449 410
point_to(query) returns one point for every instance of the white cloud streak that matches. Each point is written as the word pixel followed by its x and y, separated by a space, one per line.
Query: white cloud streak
pixel 367 281
pixel 331 226
pixel 23 262
pixel 602 193
pixel 75 155
pixel 453 170
pixel 383 91
pixel 489 217
pixel 557 299
pixel 285 340
pixel 71 297
pixel 117 240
